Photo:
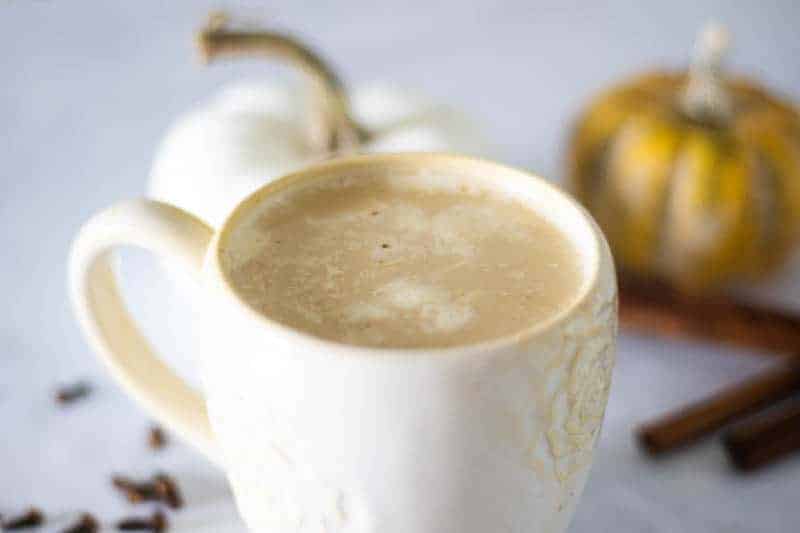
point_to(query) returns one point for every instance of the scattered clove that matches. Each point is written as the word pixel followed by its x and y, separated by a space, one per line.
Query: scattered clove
pixel 168 491
pixel 157 439
pixel 69 394
pixel 135 492
pixel 162 488
pixel 86 524
pixel 31 518
pixel 155 523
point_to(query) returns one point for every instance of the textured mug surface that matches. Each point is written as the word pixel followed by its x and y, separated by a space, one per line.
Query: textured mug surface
pixel 317 436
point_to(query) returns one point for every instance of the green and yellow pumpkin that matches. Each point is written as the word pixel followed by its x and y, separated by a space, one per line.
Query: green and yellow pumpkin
pixel 694 178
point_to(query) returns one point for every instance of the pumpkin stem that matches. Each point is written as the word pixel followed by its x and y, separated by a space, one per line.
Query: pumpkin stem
pixel 705 98
pixel 334 128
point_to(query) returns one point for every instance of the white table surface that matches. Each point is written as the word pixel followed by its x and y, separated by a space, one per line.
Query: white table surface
pixel 88 88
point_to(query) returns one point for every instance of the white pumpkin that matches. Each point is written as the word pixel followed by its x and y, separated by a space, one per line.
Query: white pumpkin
pixel 252 133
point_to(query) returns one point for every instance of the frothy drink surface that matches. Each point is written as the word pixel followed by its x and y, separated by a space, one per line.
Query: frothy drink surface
pixel 384 263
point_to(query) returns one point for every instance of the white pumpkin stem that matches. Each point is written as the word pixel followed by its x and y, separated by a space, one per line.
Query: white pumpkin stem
pixel 706 99
pixel 334 128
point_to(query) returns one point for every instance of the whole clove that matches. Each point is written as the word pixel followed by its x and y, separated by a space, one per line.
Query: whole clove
pixel 156 523
pixel 31 518
pixel 162 488
pixel 156 438
pixel 168 491
pixel 85 524
pixel 134 491
pixel 70 394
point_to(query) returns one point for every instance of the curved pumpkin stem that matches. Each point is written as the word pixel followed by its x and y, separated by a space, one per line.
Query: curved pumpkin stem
pixel 706 99
pixel 334 128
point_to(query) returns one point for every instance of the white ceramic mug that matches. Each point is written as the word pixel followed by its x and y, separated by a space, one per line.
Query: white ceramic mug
pixel 317 436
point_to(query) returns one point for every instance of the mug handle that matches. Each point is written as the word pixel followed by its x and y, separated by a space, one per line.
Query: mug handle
pixel 166 231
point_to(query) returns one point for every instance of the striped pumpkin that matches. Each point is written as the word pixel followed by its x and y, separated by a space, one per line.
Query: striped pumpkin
pixel 693 177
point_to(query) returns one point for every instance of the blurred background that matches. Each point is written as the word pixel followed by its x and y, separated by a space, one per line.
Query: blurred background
pixel 89 90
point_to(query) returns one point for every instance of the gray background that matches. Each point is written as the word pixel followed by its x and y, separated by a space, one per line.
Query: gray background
pixel 87 91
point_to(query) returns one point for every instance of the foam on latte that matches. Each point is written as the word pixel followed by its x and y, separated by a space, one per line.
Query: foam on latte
pixel 394 262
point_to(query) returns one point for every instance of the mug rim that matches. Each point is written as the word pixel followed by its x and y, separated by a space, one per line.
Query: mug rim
pixel 592 261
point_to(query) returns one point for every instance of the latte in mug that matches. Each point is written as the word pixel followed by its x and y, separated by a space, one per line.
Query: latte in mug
pixel 344 429
pixel 401 261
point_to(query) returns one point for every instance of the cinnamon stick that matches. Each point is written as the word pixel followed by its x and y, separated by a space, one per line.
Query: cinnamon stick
pixel 766 439
pixel 658 309
pixel 699 420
